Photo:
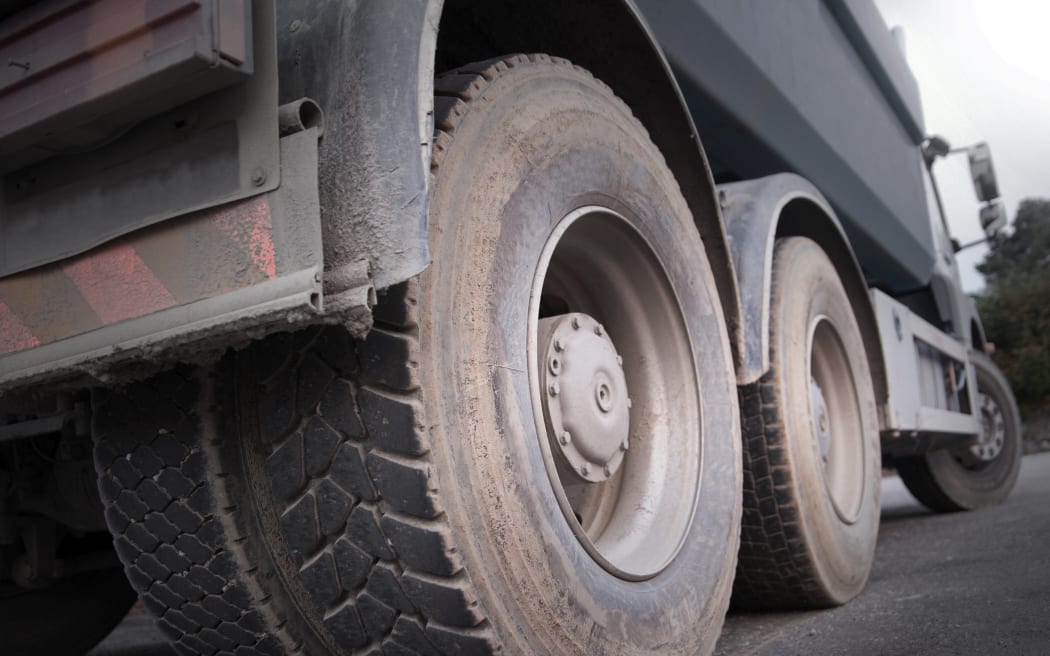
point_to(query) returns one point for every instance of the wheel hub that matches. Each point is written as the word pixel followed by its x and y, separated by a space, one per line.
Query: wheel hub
pixel 993 430
pixel 585 400
pixel 821 422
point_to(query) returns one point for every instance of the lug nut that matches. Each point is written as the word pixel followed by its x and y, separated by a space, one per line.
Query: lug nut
pixel 565 438
pixel 559 344
pixel 554 389
pixel 608 471
pixel 584 469
pixel 625 445
pixel 619 360
pixel 555 366
pixel 575 323
pixel 598 329
pixel 629 403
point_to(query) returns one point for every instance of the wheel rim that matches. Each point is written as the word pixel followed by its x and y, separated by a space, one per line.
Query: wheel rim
pixel 837 429
pixel 993 431
pixel 610 358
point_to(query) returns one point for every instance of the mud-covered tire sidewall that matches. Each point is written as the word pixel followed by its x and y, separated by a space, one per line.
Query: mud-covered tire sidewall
pixel 552 141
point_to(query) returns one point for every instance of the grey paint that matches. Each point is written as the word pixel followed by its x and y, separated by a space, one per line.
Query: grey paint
pixel 780 87
pixel 215 150
pixel 757 212
pixel 190 331
pixel 369 66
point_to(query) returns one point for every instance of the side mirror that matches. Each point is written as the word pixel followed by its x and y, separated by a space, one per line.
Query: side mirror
pixel 983 174
pixel 993 219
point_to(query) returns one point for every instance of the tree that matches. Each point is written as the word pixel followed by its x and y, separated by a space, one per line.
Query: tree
pixel 1015 306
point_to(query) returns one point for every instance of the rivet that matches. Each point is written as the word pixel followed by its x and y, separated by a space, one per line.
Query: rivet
pixel 584 469
pixel 554 388
pixel 258 177
pixel 296 24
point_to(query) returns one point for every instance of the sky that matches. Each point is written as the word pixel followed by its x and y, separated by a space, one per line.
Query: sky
pixel 983 68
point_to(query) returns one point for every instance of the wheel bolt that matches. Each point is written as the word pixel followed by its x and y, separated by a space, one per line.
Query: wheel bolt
pixel 607 470
pixel 629 403
pixel 554 388
pixel 625 445
pixel 619 360
pixel 559 344
pixel 555 366
pixel 584 469
pixel 565 438
pixel 598 329
pixel 576 323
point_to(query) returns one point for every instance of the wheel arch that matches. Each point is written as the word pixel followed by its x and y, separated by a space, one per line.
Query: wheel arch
pixel 371 67
pixel 757 212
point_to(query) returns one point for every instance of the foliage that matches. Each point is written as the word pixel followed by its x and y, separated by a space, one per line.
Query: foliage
pixel 1015 307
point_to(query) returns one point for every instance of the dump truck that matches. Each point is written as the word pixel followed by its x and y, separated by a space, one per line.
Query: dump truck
pixel 296 298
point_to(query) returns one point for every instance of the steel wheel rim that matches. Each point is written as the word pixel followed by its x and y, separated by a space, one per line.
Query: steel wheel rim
pixel 835 417
pixel 634 523
pixel 993 432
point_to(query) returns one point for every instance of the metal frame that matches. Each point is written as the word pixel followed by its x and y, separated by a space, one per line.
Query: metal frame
pixel 900 329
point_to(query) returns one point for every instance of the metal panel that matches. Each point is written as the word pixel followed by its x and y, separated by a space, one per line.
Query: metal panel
pixel 214 150
pixel 241 270
pixel 72 62
pixel 779 87
pixel 901 333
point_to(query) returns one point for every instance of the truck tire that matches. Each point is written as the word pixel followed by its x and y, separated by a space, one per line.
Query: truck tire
pixel 316 495
pixel 982 475
pixel 67 618
pixel 812 464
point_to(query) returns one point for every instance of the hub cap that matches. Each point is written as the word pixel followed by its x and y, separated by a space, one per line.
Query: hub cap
pixel 586 403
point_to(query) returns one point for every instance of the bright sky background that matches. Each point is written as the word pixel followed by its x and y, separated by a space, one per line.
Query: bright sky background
pixel 983 68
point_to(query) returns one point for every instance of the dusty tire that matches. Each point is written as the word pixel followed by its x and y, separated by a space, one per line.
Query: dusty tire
pixel 313 495
pixel 66 619
pixel 946 481
pixel 811 494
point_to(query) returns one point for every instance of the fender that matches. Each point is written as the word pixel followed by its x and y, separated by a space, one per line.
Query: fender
pixel 757 212
pixel 370 64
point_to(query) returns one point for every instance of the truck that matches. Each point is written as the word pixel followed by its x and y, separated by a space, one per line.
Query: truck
pixel 296 298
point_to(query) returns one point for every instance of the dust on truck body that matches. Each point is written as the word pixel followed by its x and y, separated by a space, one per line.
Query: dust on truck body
pixel 469 327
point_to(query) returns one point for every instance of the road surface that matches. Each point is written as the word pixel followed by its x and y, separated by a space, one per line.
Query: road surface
pixel 964 584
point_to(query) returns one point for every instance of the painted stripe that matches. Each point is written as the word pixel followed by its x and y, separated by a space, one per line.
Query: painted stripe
pixel 117 284
pixel 249 225
pixel 14 335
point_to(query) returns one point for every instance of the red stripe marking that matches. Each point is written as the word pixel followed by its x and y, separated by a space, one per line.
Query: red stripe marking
pixel 250 226
pixel 14 335
pixel 117 284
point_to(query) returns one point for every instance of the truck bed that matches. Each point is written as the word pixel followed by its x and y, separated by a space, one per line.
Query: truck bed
pixel 817 88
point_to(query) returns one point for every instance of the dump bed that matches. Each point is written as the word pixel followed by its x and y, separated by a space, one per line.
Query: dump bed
pixel 818 88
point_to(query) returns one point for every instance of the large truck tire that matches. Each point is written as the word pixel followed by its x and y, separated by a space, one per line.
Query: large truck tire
pixel 949 480
pixel 812 464
pixel 67 618
pixel 406 494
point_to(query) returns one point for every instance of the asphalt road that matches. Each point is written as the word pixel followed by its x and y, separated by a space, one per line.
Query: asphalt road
pixel 964 584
